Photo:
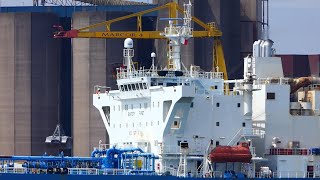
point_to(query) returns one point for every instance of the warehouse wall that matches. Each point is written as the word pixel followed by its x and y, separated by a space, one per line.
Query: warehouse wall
pixel 22 84
pixel 45 81
pixel 84 50
pixel 15 86
pixel 28 82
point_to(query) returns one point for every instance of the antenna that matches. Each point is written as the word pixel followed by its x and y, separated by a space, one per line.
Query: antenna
pixel 177 35
pixel 153 55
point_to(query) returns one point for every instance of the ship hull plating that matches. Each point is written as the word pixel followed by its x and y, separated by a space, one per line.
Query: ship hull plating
pixel 85 177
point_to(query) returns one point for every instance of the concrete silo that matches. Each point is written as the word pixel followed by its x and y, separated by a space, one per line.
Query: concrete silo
pixel 28 83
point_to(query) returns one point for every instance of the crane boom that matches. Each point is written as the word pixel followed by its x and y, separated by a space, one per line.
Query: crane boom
pixel 210 31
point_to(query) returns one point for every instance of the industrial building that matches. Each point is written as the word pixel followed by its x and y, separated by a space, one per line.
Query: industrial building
pixel 45 81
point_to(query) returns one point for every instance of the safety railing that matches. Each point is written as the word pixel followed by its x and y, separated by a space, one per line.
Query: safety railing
pixel 195 174
pixel 304 112
pixel 83 171
pixel 101 89
pixel 124 74
pixel 288 174
pixel 15 170
pixel 193 150
pixel 115 171
pixel 169 171
pixel 262 81
pixel 288 151
pixel 246 132
pixel 165 171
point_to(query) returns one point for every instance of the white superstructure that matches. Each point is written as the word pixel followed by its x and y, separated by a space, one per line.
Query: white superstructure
pixel 176 114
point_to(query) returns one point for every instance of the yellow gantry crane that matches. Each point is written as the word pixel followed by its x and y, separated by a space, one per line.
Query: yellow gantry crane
pixel 209 31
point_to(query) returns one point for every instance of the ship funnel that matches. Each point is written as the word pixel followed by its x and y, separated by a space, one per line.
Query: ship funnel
pixel 263 48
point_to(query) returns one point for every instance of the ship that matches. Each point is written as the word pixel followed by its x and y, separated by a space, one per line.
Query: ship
pixel 175 122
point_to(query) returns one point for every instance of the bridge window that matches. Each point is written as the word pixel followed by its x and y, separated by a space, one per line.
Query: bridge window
pixel 171 84
pixel 145 105
pixel 125 87
pixel 145 86
pixel 140 86
pixel 271 95
pixel 131 106
pixel 133 87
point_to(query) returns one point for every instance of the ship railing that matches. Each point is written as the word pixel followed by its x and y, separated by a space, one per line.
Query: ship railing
pixel 103 147
pixel 288 151
pixel 169 171
pixel 262 81
pixel 253 132
pixel 259 124
pixel 193 150
pixel 288 174
pixel 115 171
pixel 295 174
pixel 205 75
pixel 12 170
pixel 253 151
pixel 195 173
pixel 101 89
pixel 83 171
pixel 304 112
pixel 124 74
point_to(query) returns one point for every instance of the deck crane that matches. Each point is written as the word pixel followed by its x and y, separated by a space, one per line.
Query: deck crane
pixel 209 31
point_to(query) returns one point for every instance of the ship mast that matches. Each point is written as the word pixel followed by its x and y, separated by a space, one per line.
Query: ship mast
pixel 177 35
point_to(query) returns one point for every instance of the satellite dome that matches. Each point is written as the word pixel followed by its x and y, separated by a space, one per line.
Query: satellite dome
pixel 128 43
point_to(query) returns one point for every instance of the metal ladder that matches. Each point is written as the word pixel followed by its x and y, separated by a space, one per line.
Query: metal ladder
pixel 182 165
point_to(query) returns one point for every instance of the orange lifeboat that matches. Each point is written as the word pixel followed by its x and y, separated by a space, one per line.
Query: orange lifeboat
pixel 240 153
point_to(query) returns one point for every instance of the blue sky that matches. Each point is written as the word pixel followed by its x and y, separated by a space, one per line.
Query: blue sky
pixel 294 24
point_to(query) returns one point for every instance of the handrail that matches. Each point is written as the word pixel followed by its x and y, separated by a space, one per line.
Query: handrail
pixel 235 136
